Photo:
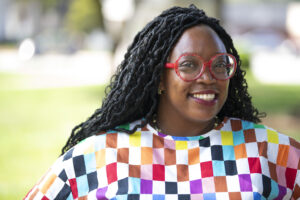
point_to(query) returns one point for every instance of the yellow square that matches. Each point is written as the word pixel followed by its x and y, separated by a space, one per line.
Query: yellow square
pixel 89 149
pixel 181 145
pixel 272 136
pixel 135 139
pixel 227 138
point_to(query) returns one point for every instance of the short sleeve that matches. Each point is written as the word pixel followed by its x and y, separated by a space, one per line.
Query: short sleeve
pixel 53 185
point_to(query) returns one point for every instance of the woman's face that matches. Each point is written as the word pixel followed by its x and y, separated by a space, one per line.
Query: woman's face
pixel 199 100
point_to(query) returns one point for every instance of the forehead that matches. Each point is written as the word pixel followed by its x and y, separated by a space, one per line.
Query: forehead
pixel 200 39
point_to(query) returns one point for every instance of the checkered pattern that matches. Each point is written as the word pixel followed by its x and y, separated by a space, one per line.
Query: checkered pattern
pixel 237 160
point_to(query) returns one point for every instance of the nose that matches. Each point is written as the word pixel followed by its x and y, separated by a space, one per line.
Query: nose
pixel 206 76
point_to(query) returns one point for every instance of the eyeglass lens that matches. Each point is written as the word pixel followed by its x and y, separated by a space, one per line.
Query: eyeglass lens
pixel 190 66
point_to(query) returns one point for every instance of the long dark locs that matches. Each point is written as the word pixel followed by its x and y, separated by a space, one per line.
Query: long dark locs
pixel 132 93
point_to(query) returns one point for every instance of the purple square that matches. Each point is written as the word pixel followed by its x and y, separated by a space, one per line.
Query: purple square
pixel 196 187
pixel 245 182
pixel 146 186
pixel 100 194
pixel 282 192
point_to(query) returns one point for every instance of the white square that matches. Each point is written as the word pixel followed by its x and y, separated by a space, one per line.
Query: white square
pixel 146 196
pixel 183 187
pixel 257 184
pixel 261 134
pixel 252 149
pixel 146 139
pixel 171 173
pixel 227 125
pixel 112 190
pixel 193 144
pixel 194 172
pixel 233 183
pixel 283 139
pixel 102 177
pixel 135 155
pixel 182 157
pixel 110 155
pixel 222 195
pixel 100 142
pixel 123 140
pixel 247 195
pixel 205 154
pixel 272 152
pixel 216 139
pixel 122 170
pixel 242 166
pixel 69 168
pixel 264 166
pixel 159 187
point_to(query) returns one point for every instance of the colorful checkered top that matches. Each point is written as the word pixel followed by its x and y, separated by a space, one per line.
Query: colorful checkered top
pixel 237 160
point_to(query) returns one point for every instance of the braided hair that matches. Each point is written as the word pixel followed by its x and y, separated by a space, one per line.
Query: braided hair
pixel 132 93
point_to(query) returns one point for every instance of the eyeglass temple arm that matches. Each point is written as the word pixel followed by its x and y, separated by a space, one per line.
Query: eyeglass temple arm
pixel 170 65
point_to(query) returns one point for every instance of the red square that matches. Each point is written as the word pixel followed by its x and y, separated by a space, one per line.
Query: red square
pixel 111 172
pixel 158 172
pixel 73 185
pixel 44 198
pixel 254 165
pixel 290 175
pixel 206 169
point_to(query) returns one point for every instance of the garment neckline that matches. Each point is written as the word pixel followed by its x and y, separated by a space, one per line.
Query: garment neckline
pixel 187 138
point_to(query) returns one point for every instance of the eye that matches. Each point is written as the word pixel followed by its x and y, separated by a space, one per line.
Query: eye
pixel 187 64
pixel 220 67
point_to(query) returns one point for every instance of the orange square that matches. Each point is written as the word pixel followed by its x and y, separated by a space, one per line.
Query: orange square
pixel 111 140
pixel 146 155
pixel 262 149
pixel 220 183
pixel 123 155
pixel 249 135
pixel 235 195
pixel 170 157
pixel 282 156
pixel 135 171
pixel 182 173
pixel 240 151
pixel 236 125
pixel 158 142
pixel 194 156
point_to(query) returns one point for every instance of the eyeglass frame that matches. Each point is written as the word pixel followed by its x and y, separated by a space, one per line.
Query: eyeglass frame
pixel 204 65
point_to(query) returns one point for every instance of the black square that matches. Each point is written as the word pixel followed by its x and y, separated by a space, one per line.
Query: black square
pixel 171 187
pixel 204 142
pixel 64 193
pixel 68 155
pixel 230 167
pixel 133 197
pixel 217 152
pixel 184 197
pixel 79 166
pixel 266 186
pixel 92 181
pixel 122 186
pixel 63 176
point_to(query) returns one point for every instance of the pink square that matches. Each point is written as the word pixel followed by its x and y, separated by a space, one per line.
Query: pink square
pixel 293 158
pixel 196 196
pixel 208 185
pixel 158 156
pixel 170 144
pixel 281 175
pixel 146 172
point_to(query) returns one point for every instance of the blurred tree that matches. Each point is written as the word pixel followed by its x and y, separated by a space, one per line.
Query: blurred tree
pixel 84 16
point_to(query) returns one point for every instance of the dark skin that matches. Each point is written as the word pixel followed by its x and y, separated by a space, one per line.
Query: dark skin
pixel 183 108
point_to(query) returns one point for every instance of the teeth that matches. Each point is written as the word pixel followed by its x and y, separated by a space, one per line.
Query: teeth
pixel 206 97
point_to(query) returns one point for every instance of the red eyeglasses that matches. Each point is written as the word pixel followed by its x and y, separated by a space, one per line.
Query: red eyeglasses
pixel 190 67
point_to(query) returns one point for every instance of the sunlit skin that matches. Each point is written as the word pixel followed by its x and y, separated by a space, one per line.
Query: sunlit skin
pixel 179 112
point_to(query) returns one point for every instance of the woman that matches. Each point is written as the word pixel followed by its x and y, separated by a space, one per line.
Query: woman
pixel 177 123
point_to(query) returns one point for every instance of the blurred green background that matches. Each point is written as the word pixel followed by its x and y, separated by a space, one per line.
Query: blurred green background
pixel 57 56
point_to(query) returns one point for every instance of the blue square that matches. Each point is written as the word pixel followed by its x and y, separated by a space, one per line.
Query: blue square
pixel 219 168
pixel 238 137
pixel 121 197
pixel 228 152
pixel 90 162
pixel 134 185
pixel 158 197
pixel 247 125
pixel 209 196
pixel 256 196
pixel 82 185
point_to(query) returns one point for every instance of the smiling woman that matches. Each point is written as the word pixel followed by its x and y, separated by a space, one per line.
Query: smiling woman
pixel 177 123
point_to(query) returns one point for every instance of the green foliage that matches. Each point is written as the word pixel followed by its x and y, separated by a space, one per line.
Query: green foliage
pixel 84 15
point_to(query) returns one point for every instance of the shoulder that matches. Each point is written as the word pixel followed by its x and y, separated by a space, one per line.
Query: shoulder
pixel 254 132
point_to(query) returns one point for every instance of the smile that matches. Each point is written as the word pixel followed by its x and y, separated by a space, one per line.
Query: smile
pixel 205 97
